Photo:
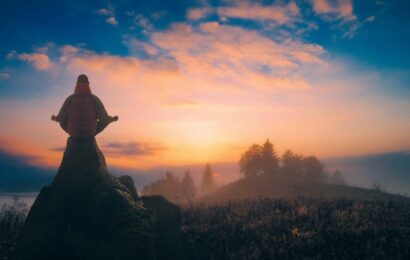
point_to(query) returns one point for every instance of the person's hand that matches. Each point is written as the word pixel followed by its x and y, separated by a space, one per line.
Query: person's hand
pixel 54 118
pixel 115 118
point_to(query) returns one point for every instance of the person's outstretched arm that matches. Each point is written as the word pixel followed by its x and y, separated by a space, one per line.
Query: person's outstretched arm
pixel 103 118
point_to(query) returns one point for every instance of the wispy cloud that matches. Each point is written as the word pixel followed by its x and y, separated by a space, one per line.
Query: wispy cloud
pixel 105 11
pixel 18 175
pixel 370 19
pixel 68 52
pixel 332 10
pixel 139 47
pixel 58 149
pixel 29 152
pixel 142 22
pixel 40 61
pixel 210 56
pixel 252 10
pixel 133 149
pixel 248 10
pixel 111 20
pixel 110 12
pixel 199 13
pixel 341 13
pixel 237 57
pixel 4 75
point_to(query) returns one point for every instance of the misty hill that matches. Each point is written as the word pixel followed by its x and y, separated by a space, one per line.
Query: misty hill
pixel 274 187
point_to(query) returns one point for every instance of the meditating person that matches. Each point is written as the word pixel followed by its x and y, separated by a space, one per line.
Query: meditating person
pixel 83 114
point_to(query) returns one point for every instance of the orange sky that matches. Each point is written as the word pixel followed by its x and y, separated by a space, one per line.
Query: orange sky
pixel 197 115
pixel 208 104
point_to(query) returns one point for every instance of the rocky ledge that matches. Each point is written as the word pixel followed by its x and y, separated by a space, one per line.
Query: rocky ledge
pixel 87 213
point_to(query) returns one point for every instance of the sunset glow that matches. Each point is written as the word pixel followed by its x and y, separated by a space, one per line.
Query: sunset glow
pixel 197 83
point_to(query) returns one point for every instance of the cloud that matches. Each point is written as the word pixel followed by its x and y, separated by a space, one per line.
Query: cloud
pixel 58 149
pixel 199 13
pixel 306 57
pixel 370 19
pixel 17 175
pixel 110 12
pixel 126 72
pixel 139 20
pixel 40 61
pixel 111 20
pixel 139 47
pixel 133 149
pixel 250 10
pixel 11 55
pixel 68 51
pixel 352 30
pixel 234 56
pixel 206 57
pixel 333 10
pixel 105 11
pixel 340 11
pixel 34 152
pixel 45 48
pixel 4 75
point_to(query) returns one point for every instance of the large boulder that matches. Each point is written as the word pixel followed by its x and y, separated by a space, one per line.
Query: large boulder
pixel 87 213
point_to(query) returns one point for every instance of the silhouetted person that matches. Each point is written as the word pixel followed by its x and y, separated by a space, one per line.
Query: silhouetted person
pixel 83 114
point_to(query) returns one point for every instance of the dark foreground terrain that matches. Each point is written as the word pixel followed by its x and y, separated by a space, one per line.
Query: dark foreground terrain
pixel 267 228
pixel 300 228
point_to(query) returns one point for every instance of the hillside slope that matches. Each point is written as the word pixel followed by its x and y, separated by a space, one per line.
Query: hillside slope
pixel 266 186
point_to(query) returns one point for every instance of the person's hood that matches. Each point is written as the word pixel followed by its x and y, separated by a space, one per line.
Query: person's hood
pixel 82 89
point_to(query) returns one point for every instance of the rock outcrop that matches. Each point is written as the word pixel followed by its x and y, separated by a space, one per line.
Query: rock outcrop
pixel 87 213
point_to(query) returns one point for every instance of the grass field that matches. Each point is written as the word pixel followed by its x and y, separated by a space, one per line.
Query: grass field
pixel 300 228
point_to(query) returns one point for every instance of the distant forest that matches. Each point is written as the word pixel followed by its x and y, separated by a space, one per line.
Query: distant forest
pixel 257 160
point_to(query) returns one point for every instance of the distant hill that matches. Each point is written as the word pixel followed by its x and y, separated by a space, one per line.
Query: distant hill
pixel 266 186
pixel 390 170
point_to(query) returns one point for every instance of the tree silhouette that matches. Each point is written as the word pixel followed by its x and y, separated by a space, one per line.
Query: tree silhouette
pixel 314 170
pixel 207 184
pixel 292 165
pixel 188 188
pixel 251 161
pixel 168 186
pixel 259 160
pixel 263 159
pixel 269 159
pixel 337 178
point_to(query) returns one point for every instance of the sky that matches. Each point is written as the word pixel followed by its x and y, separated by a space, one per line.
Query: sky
pixel 200 81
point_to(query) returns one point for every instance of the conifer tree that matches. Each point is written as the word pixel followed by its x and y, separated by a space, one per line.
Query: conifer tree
pixel 270 160
pixel 207 184
pixel 188 188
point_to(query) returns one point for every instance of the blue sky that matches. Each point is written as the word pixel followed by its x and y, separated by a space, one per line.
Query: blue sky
pixel 381 42
pixel 376 39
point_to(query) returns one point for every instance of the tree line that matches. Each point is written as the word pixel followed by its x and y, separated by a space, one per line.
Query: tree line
pixel 181 191
pixel 258 160
pixel 264 160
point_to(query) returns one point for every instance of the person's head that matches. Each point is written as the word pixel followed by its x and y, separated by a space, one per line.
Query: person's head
pixel 82 78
